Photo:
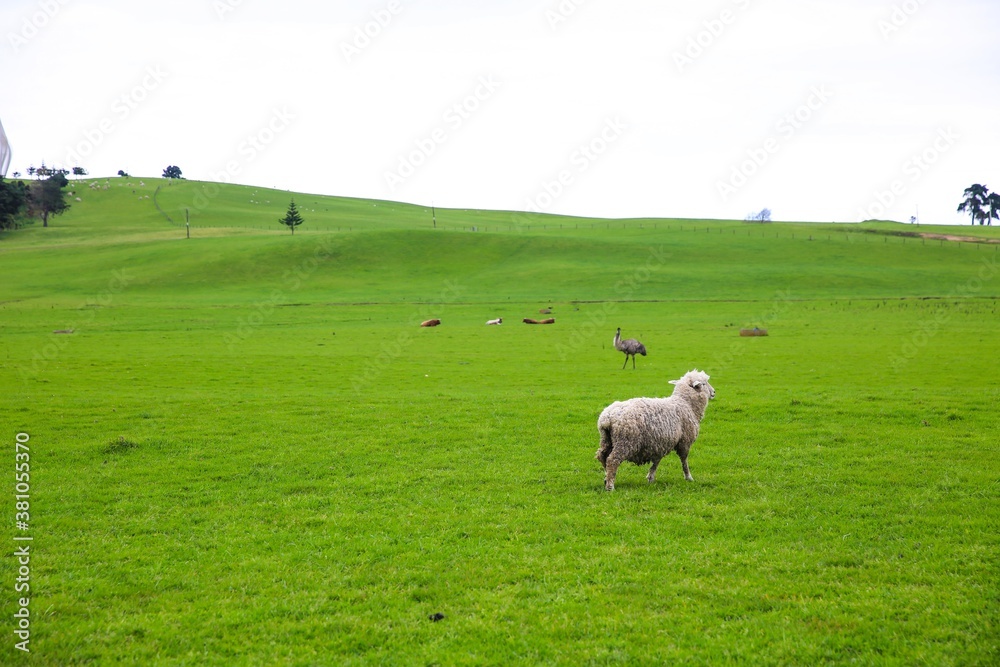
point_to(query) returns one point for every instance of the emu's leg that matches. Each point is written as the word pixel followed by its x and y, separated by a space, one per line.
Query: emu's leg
pixel 633 361
pixel 626 361
pixel 683 453
pixel 651 477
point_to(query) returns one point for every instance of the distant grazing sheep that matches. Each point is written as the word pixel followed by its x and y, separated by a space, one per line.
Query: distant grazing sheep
pixel 498 320
pixel 644 430
pixel 545 311
pixel 430 323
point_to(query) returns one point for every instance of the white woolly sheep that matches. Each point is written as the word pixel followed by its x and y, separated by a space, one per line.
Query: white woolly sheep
pixel 498 320
pixel 644 430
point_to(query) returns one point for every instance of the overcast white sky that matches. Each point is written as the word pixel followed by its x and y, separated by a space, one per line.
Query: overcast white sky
pixel 821 110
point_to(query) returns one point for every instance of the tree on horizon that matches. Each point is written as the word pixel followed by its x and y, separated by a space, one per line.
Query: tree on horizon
pixel 48 198
pixel 976 197
pixel 764 215
pixel 48 172
pixel 993 201
pixel 292 218
pixel 172 171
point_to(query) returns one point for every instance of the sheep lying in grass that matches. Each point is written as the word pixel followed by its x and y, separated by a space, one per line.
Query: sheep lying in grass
pixel 644 430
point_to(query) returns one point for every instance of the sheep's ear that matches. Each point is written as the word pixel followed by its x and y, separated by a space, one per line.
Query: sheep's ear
pixel 696 384
pixel 674 381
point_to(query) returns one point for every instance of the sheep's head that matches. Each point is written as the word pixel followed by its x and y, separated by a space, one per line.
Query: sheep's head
pixel 696 380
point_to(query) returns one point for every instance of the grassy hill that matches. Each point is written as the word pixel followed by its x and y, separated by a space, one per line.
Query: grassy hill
pixel 247 451
pixel 372 251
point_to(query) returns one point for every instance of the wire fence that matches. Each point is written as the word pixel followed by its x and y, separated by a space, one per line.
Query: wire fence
pixel 873 237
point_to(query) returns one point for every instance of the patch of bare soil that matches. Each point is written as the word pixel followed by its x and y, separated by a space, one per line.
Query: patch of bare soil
pixel 961 239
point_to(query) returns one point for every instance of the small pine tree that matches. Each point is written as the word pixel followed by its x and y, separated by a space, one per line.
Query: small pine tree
pixel 292 219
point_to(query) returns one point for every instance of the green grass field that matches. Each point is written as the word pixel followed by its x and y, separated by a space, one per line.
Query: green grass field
pixel 247 451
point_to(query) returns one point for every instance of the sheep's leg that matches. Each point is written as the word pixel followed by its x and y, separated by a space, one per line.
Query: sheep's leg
pixel 602 456
pixel 605 450
pixel 683 453
pixel 651 477
pixel 611 469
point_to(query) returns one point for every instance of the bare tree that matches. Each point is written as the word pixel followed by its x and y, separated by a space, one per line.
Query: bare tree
pixel 764 215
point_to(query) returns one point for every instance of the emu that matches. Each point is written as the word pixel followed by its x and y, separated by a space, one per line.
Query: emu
pixel 630 347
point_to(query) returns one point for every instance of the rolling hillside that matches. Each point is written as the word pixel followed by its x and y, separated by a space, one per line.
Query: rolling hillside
pixel 373 251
